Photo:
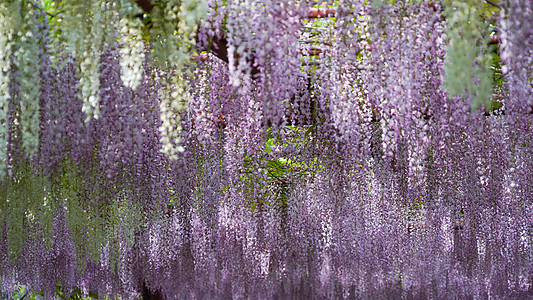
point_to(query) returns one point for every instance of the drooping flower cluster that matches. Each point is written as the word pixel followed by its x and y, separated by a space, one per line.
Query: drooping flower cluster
pixel 7 32
pixel 335 157
pixel 85 37
pixel 516 37
pixel 27 64
pixel 132 51
pixel 173 31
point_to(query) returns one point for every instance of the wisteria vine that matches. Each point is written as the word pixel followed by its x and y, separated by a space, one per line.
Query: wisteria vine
pixel 266 149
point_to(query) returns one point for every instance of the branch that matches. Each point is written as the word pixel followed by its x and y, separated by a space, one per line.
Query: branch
pixel 311 52
pixel 41 9
pixel 493 4
pixel 220 48
pixel 314 42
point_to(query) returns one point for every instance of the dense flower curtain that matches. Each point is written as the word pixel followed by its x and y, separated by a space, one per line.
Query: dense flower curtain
pixel 266 149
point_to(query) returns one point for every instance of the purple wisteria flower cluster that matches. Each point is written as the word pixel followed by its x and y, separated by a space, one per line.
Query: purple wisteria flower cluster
pixel 258 149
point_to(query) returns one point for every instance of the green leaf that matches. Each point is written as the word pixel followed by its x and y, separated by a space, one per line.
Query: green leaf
pixel 268 145
pixel 496 105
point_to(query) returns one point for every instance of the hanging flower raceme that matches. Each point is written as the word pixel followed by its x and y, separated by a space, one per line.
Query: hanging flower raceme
pixel 173 30
pixel 28 81
pixel 174 100
pixel 117 112
pixel 264 46
pixel 328 159
pixel 132 51
pixel 516 52
pixel 85 40
pixel 10 24
pixel 407 66
pixel 348 64
pixel 52 104
pixel 203 112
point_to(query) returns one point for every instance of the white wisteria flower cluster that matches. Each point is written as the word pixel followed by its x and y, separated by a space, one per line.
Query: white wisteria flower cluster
pixel 6 35
pixel 85 37
pixel 132 51
pixel 89 66
pixel 174 100
pixel 173 31
pixel 25 58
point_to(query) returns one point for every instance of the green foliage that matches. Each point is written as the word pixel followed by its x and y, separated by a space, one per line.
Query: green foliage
pixel 468 72
pixel 77 217
pixel 23 197
pixel 123 219
pixel 275 173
